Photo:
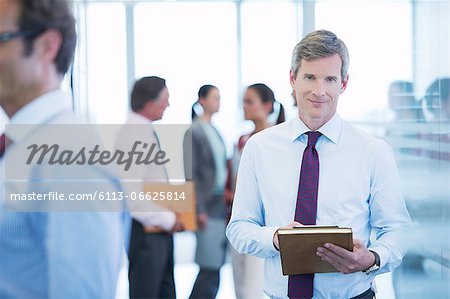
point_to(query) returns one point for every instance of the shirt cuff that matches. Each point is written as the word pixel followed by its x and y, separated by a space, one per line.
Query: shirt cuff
pixel 267 240
pixel 165 220
pixel 169 221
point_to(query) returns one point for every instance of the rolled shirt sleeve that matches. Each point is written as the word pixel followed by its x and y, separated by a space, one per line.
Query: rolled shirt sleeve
pixel 388 214
pixel 246 230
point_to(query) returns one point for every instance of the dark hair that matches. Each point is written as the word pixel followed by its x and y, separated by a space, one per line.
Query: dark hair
pixel 40 15
pixel 439 87
pixel 437 93
pixel 404 86
pixel 401 95
pixel 202 93
pixel 145 90
pixel 267 96
pixel 403 103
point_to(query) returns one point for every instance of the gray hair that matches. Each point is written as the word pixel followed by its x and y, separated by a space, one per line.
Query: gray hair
pixel 319 44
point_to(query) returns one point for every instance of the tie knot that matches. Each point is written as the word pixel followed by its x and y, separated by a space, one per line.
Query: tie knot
pixel 312 137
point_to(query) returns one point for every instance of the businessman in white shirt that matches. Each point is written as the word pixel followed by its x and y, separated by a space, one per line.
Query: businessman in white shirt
pixel 319 169
pixel 151 245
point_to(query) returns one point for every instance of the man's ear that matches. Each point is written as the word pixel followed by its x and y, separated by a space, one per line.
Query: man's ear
pixel 344 84
pixel 49 44
pixel 292 79
pixel 149 107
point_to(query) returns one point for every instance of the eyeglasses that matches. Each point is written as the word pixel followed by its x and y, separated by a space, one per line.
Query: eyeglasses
pixel 7 36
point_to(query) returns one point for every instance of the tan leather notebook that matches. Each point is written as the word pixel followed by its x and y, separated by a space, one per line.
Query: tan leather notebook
pixel 189 218
pixel 298 247
pixel 182 200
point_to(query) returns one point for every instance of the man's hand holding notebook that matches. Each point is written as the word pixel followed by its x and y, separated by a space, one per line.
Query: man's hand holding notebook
pixel 307 249
pixel 299 245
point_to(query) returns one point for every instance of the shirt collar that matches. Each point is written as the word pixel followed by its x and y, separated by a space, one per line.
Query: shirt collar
pixel 331 129
pixel 137 119
pixel 39 111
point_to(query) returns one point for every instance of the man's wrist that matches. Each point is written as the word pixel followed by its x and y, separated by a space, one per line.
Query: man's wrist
pixel 377 258
pixel 375 266
pixel 275 240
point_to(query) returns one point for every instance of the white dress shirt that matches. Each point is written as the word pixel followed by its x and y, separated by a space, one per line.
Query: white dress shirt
pixel 358 188
pixel 138 174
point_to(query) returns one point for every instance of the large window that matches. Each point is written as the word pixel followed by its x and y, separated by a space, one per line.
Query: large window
pixel 378 35
pixel 189 44
pixel 106 66
pixel 397 53
pixel 225 43
pixel 269 32
pixel 397 50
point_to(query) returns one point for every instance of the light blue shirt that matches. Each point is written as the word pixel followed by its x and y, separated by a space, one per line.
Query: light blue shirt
pixel 58 254
pixel 358 188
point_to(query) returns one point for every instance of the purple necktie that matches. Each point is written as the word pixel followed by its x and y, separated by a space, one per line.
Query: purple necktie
pixel 2 144
pixel 301 286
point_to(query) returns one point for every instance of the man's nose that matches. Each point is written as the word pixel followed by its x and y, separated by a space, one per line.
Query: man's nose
pixel 319 88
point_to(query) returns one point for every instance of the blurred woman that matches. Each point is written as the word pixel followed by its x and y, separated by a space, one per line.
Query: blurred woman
pixel 259 106
pixel 437 99
pixel 204 145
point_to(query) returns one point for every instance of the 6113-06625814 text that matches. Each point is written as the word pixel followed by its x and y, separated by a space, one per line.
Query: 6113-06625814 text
pixel 99 195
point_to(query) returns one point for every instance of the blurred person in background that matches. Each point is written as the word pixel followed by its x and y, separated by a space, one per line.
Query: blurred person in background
pixel 407 110
pixel 248 270
pixel 437 105
pixel 49 254
pixel 403 103
pixel 437 99
pixel 205 148
pixel 151 267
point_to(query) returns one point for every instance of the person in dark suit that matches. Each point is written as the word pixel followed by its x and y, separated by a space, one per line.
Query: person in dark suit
pixel 205 165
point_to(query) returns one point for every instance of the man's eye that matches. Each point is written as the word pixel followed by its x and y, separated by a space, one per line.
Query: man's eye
pixel 309 77
pixel 331 79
